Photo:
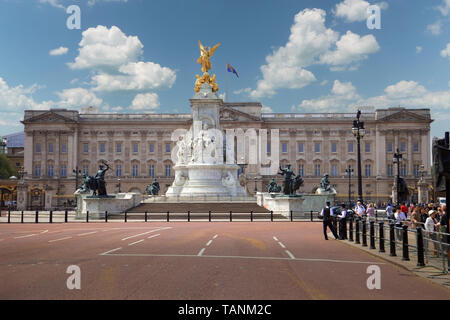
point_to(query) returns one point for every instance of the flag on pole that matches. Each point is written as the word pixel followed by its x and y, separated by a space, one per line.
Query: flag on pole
pixel 231 69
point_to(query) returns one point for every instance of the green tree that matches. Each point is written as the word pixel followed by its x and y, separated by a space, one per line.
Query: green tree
pixel 6 169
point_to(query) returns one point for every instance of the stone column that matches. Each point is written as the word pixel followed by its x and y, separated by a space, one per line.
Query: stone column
pixel 422 186
pixel 22 196
pixel 44 171
pixel 49 194
pixel 159 168
pixel 380 152
pixel 410 154
pixel 142 152
pixel 29 153
pixel 70 151
pixel 57 169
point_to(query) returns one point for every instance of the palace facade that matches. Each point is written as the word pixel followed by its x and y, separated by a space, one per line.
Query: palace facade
pixel 61 145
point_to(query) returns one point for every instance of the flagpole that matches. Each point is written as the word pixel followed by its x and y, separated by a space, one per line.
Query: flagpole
pixel 226 81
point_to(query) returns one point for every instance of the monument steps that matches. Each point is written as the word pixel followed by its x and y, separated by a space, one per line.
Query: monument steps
pixel 200 207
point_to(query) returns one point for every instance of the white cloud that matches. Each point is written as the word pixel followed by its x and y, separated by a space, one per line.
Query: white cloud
pixel 409 94
pixel 445 53
pixel 101 47
pixel 59 51
pixel 244 90
pixel 78 97
pixel 351 48
pixel 145 102
pixel 435 28
pixel 310 43
pixel 266 109
pixel 324 82
pixel 53 3
pixel 93 2
pixel 444 8
pixel 354 10
pixel 418 49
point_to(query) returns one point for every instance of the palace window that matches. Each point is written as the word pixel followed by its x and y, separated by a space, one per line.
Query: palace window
pixel 350 147
pixel 268 147
pixel 334 170
pixel 118 170
pixel 402 146
pixel 38 148
pixel 85 147
pixel 63 171
pixel 416 146
pixel 151 170
pixel 118 148
pixel 151 147
pixel 403 170
pixel 167 147
pixel 50 148
pixel 416 170
pixel 168 168
pixel 135 170
pixel 37 170
pixel 50 170
pixel 135 148
pixel 317 170
pixel 85 169
pixel 301 169
pixel 300 147
pixel 102 148
pixel 390 170
pixel 333 147
pixel 317 147
pixel 368 170
pixel 367 146
pixel 284 147
pixel 64 148
pixel 389 147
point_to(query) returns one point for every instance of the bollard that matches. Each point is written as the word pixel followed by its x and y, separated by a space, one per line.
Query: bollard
pixel 405 243
pixel 9 216
pixel 381 235
pixel 364 232
pixel 392 239
pixel 372 235
pixel 209 215
pixel 87 216
pixel 311 213
pixel 145 216
pixel 189 216
pixel 420 254
pixel 51 216
pixel 231 216
pixel 65 216
pixel 350 229
pixel 21 217
pixel 106 216
pixel 168 219
pixel 36 218
pixel 292 216
pixel 271 215
pixel 357 231
pixel 126 216
pixel 251 216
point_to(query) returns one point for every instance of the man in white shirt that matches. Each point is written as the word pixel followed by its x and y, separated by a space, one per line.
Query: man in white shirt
pixel 399 216
pixel 326 214
pixel 343 222
pixel 359 209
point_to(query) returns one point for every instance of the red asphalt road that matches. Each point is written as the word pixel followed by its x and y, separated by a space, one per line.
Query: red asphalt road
pixel 243 261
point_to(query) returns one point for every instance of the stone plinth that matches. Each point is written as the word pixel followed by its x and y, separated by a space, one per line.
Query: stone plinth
pixel 114 204
pixel 423 196
pixel 281 204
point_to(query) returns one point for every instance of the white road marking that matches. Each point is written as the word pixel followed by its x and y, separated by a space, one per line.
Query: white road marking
pixel 153 236
pixel 141 234
pixel 240 257
pixel 201 252
pixel 282 245
pixel 275 238
pixel 28 235
pixel 59 239
pixel 130 244
pixel 209 242
pixel 290 254
pixel 45 231
pixel 215 236
pixel 85 234
pixel 105 253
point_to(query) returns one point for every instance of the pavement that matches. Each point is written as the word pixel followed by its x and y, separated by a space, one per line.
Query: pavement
pixel 196 260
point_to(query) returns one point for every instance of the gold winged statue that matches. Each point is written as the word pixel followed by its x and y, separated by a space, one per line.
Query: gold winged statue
pixel 205 54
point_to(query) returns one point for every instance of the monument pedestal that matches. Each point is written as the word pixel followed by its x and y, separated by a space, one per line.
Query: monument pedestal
pixel 283 205
pixel 114 204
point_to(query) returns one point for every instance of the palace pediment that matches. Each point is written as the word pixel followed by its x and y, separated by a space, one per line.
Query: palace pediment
pixel 49 116
pixel 404 115
pixel 230 114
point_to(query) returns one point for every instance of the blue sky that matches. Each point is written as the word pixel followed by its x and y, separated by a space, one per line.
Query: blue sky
pixel 292 56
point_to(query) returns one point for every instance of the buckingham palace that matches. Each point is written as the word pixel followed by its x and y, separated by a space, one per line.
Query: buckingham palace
pixel 61 145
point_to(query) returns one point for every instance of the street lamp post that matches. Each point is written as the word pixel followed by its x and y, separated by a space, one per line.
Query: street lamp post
pixel 349 171
pixel 77 172
pixel 118 185
pixel 359 132
pixel 397 159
